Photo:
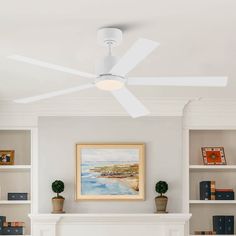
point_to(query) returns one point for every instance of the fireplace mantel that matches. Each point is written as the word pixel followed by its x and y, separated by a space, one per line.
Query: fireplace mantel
pixel 109 224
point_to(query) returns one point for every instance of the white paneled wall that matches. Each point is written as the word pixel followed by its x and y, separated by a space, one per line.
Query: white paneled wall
pixel 57 139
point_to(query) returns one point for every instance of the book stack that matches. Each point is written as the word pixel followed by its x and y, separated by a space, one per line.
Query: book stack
pixel 11 228
pixel 205 232
pixel 223 224
pixel 208 191
pixel 224 194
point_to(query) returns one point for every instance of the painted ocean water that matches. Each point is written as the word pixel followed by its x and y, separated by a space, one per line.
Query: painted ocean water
pixel 91 185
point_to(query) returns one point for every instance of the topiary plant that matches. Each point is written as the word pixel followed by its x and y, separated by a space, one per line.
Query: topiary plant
pixel 58 187
pixel 161 187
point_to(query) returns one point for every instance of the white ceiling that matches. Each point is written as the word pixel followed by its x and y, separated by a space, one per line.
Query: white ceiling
pixel 197 38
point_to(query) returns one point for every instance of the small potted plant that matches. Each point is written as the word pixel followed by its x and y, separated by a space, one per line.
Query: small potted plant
pixel 161 200
pixel 58 201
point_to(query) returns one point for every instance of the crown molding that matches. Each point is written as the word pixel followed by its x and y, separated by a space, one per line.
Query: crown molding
pixel 28 113
pixel 210 114
pixel 197 113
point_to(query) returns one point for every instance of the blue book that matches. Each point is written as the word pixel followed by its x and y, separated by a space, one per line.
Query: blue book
pixel 219 224
pixel 205 190
pixel 17 196
pixel 229 224
pixel 2 220
pixel 13 230
pixel 220 195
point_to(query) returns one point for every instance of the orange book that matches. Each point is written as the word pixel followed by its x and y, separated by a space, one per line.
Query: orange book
pixel 213 190
pixel 224 190
pixel 13 224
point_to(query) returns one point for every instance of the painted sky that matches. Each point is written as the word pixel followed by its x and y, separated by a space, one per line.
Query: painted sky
pixel 110 154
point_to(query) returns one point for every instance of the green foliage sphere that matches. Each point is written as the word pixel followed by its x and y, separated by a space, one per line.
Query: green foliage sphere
pixel 58 187
pixel 161 187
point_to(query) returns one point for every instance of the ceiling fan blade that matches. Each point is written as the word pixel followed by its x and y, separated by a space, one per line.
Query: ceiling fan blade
pixel 212 81
pixel 130 103
pixel 54 94
pixel 50 66
pixel 138 51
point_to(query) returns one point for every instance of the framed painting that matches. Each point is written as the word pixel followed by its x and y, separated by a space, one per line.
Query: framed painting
pixel 7 157
pixel 213 156
pixel 110 171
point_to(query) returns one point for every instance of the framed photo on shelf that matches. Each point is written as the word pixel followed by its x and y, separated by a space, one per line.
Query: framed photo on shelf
pixel 7 157
pixel 213 156
pixel 110 171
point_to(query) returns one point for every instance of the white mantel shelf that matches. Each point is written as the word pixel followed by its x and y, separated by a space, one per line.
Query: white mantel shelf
pixel 115 224
pixel 113 218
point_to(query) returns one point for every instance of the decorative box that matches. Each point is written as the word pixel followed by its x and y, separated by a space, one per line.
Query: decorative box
pixel 18 196
pixel 13 230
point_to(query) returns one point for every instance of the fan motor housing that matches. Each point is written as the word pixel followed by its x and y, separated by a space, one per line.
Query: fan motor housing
pixel 104 66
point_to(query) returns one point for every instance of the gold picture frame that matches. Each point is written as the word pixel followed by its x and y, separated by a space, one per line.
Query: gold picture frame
pixel 7 157
pixel 110 171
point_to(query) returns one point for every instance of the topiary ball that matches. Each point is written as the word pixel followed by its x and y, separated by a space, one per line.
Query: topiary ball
pixel 58 186
pixel 161 187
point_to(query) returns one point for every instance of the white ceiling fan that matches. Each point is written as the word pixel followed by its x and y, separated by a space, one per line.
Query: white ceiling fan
pixel 111 73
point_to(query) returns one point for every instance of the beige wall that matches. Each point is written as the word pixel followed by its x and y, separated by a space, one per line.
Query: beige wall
pixel 57 139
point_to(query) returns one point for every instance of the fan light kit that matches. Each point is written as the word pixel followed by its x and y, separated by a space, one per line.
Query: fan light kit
pixel 111 73
pixel 109 82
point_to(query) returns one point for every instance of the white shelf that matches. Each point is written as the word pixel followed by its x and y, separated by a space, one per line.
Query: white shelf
pixel 212 202
pixel 15 168
pixel 213 167
pixel 7 202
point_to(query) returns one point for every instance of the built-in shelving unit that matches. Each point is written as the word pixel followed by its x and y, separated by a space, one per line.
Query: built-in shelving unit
pixel 18 177
pixel 225 175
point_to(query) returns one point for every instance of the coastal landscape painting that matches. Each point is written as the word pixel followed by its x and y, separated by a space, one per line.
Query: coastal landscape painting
pixel 110 171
